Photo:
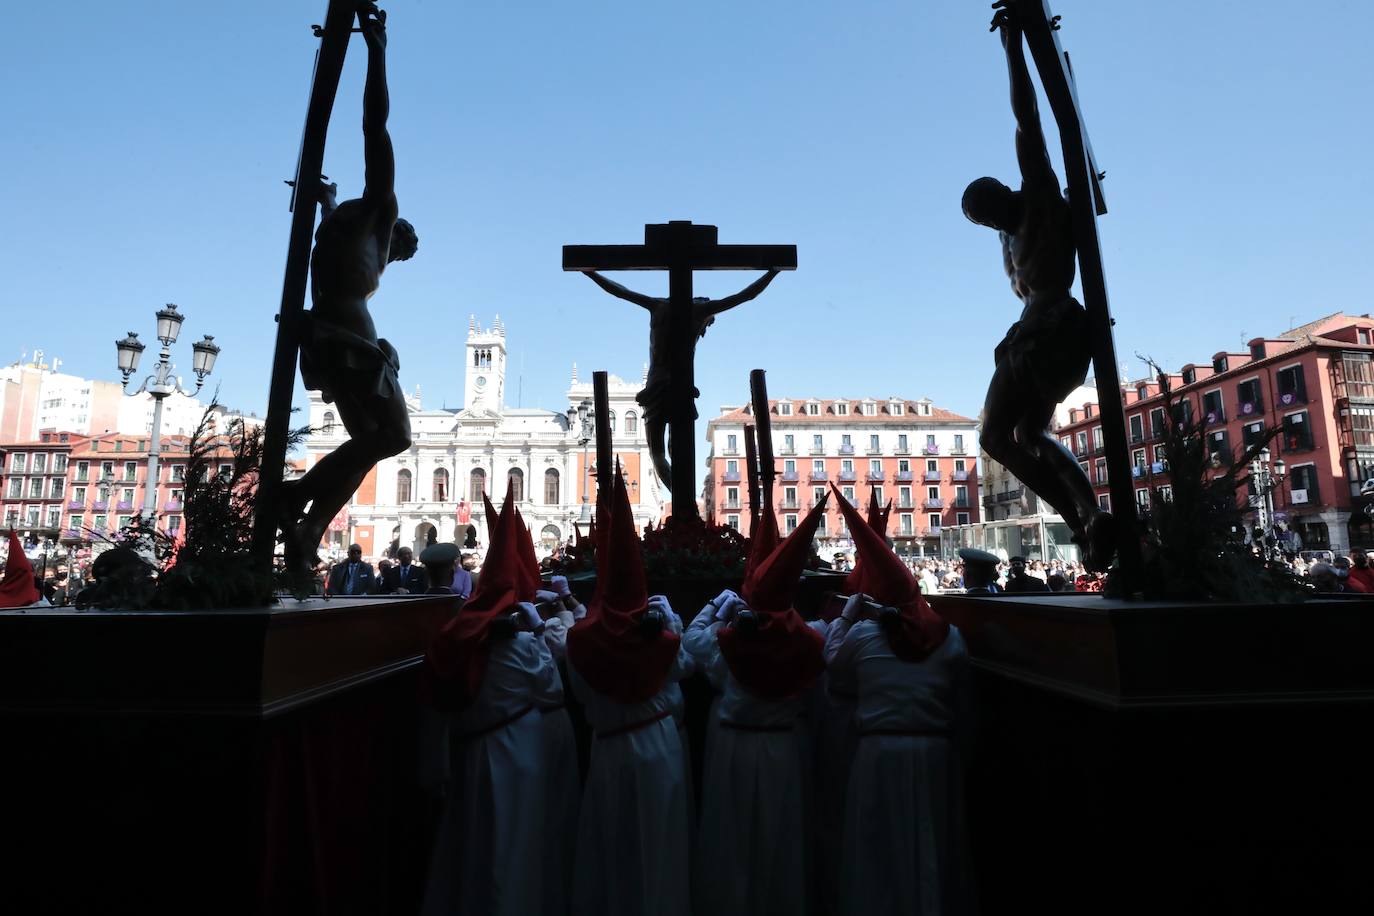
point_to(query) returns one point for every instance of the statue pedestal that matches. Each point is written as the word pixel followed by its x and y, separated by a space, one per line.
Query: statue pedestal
pixel 237 761
pixel 1206 758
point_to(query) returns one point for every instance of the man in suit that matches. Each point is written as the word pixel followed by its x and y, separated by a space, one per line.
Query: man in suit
pixel 404 578
pixel 352 576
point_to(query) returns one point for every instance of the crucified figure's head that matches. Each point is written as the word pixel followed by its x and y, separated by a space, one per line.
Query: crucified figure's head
pixel 988 202
pixel 404 242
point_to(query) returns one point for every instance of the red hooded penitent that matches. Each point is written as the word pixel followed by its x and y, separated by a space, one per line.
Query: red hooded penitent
pixel 607 646
pixel 887 581
pixel 783 656
pixel 17 589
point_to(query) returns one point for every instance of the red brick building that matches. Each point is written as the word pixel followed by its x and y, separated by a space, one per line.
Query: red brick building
pixel 1315 382
pixel 35 484
pixel 922 457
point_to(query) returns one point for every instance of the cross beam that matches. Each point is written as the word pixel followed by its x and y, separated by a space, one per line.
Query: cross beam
pixel 1086 203
pixel 680 247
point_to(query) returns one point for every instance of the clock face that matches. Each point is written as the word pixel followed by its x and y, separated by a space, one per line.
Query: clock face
pixel 481 381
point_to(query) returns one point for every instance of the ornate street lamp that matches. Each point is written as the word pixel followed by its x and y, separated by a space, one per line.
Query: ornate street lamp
pixel 162 382
pixel 587 432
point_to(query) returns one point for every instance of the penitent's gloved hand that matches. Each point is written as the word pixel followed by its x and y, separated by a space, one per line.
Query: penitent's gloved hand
pixel 560 586
pixel 529 615
pixel 853 607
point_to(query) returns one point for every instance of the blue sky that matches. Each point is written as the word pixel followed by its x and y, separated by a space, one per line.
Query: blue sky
pixel 146 144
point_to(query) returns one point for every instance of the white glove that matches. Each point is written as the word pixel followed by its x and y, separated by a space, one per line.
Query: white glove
pixel 722 599
pixel 529 616
pixel 853 607
pixel 544 596
pixel 560 586
pixel 670 616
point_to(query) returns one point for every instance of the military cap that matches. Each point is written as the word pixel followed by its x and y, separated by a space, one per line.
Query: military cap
pixel 439 554
pixel 974 555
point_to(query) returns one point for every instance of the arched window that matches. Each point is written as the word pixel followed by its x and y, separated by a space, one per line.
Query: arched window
pixel 551 487
pixel 610 420
pixel 550 537
pixel 477 485
pixel 517 484
pixel 403 486
pixel 441 485
pixel 328 426
pixel 631 423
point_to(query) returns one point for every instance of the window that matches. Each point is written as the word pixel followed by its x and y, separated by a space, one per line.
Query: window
pixel 59 463
pixel 846 444
pixel 847 466
pixel 178 473
pixel 477 485
pixel 932 466
pixel 125 520
pixel 440 485
pixel 1292 386
pixel 1160 453
pixel 932 492
pixel 1364 336
pixel 54 516
pixel 789 444
pixel 1097 439
pixel 789 524
pixel 1104 502
pixel 174 523
pixel 1302 484
pixel 1142 499
pixel 897 409
pixel 610 420
pixel 551 481
pixel 83 470
pixel 785 409
pixel 16 488
pixel 817 444
pixel 1100 466
pixel 906 525
pixel 1219 364
pixel 516 481
pixel 1249 398
pixel 849 493
pixel 1165 493
pixel 631 423
pixel 902 446
pixel 961 495
pixel 873 443
pixel 1137 428
pixel 1297 432
pixel 31 517
pixel 131 470
pixel 961 518
pixel 1212 409
pixel 1081 443
pixel 1219 447
pixel 732 521
pixel 1138 459
pixel 732 444
pixel 1362 428
pixel 107 470
pixel 817 494
pixel 78 494
pixel 818 467
pixel 99 523
pixel 327 423
pixel 40 463
pixel 933 520
pixel 732 469
pixel 878 494
pixel 35 488
pixel 875 468
pixel 959 466
pixel 1189 375
pixel 19 463
pixel 403 486
pixel 1157 423
pixel 870 409
pixel 789 497
pixel 126 495
pixel 931 448
pixel 813 409
pixel 841 409
pixel 119 447
pixel 1251 432
pixel 1183 413
pixel 74 522
pixel 732 497
pixel 904 497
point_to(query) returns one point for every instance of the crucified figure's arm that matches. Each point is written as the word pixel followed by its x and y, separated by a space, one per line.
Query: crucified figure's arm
pixel 620 292
pixel 379 190
pixel 1031 153
pixel 716 306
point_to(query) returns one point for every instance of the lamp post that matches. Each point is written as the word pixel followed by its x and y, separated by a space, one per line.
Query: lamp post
pixel 1267 479
pixel 162 383
pixel 586 433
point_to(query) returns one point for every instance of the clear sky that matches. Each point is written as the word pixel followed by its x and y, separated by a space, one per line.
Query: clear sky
pixel 145 145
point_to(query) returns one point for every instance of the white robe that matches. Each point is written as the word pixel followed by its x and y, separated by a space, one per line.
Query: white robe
pixel 632 831
pixel 905 841
pixel 835 740
pixel 753 847
pixel 488 855
pixel 564 786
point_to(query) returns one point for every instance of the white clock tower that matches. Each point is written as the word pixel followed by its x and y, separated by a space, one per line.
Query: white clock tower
pixel 484 384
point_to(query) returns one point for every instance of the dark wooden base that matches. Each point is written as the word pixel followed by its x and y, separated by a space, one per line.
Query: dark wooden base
pixel 257 761
pixel 1164 758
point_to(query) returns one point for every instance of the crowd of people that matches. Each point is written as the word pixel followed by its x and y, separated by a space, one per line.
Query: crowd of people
pixel 832 778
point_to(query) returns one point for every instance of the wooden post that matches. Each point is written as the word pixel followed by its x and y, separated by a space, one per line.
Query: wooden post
pixel 329 62
pixel 763 425
pixel 1085 204
pixel 751 464
pixel 605 454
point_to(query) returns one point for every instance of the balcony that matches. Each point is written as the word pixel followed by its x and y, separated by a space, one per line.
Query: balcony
pixel 818 450
pixel 846 449
pixel 76 506
pixel 874 450
pixel 961 502
pixel 903 476
pixel 101 505
pixel 846 476
pixel 957 450
pixel 932 503
pixel 931 450
pixel 932 477
pixel 124 505
pixel 173 505
pixel 787 450
pixel 906 502
pixel 789 476
pixel 902 450
pixel 1007 496
pixel 960 475
pixel 82 477
pixel 1214 417
pixel 71 534
pixel 788 505
pixel 729 477
pixel 730 451
pixel 1292 398
pixel 819 476
pixel 1249 408
pixel 1159 467
pixel 1138 471
pixel 875 476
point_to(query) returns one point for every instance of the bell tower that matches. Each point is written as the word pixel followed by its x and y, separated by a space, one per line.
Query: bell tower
pixel 484 381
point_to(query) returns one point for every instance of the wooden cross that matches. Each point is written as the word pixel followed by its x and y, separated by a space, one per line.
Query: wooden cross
pixel 681 248
pixel 1041 29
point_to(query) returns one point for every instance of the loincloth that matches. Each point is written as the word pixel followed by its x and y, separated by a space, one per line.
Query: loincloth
pixel 334 360
pixel 1047 351
pixel 654 398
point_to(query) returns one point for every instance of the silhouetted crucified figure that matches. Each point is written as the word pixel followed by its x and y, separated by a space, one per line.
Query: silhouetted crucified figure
pixel 656 396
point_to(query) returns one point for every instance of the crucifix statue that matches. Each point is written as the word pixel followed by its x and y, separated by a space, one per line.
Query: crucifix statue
pixel 1046 353
pixel 675 324
pixel 340 353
